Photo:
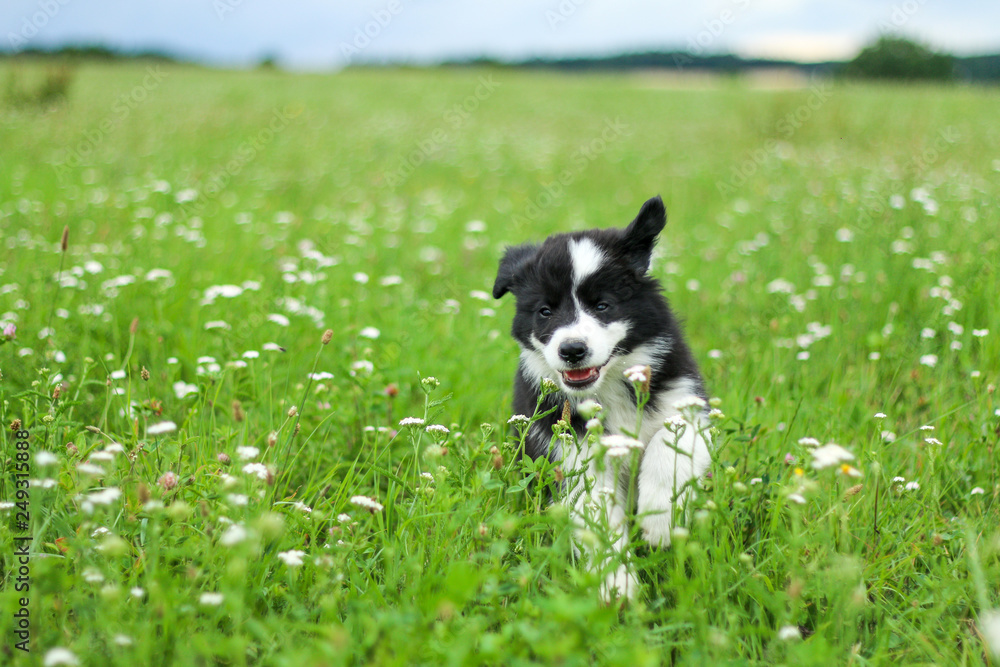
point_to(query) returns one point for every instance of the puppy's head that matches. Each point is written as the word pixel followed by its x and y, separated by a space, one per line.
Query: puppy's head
pixel 576 299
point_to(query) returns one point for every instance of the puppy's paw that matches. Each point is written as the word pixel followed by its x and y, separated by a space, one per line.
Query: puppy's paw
pixel 656 528
pixel 620 584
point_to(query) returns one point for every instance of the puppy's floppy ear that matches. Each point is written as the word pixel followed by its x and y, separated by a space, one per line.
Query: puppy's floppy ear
pixel 640 235
pixel 510 266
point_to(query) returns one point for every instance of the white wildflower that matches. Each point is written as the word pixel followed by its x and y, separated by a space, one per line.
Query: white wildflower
pixel 292 557
pixel 60 656
pixel 233 535
pixel 830 455
pixel 161 427
pixel 637 374
pixel 690 403
pixel 257 469
pixel 211 599
pixel 43 458
pixel 367 502
pixel 247 453
pixel 589 408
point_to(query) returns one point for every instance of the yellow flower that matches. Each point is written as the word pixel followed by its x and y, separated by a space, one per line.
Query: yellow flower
pixel 850 470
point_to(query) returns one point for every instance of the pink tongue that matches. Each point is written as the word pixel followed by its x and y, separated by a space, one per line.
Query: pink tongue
pixel 578 375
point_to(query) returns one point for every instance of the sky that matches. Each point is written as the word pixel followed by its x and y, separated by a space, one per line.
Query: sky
pixel 325 34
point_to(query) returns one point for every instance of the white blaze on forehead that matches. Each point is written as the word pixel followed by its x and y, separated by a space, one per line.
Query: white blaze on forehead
pixel 586 258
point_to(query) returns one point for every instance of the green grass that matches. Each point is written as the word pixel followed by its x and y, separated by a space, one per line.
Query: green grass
pixel 471 564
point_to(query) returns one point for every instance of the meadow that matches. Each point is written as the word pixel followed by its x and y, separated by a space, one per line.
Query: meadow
pixel 215 481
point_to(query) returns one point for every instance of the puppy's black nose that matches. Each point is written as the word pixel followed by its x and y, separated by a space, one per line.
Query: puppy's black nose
pixel 572 351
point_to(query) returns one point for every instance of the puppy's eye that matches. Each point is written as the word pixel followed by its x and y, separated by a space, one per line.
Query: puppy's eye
pixel 602 306
pixel 545 311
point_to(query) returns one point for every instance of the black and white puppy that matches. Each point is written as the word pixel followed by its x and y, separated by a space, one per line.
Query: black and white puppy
pixel 586 311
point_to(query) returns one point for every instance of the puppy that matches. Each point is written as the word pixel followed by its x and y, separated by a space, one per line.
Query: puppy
pixel 587 310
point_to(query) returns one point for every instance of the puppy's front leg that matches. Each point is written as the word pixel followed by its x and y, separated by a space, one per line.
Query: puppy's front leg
pixel 597 504
pixel 670 462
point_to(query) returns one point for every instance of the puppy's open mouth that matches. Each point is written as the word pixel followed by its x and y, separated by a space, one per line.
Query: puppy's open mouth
pixel 579 378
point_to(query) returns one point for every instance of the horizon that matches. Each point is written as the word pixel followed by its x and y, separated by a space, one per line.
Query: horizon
pixel 311 35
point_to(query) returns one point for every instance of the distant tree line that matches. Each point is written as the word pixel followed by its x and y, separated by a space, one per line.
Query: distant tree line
pixel 888 58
